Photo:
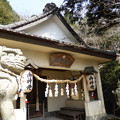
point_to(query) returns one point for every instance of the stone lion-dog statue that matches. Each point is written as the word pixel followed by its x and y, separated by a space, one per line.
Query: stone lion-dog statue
pixel 12 62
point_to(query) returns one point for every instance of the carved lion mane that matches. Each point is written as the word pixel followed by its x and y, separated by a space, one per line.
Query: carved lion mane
pixel 12 62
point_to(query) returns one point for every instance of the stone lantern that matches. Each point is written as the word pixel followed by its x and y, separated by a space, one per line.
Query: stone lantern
pixel 117 92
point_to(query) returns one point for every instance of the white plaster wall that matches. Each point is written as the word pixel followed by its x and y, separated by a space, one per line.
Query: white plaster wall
pixel 53 74
pixel 55 103
pixel 20 114
pixel 51 29
pixel 42 60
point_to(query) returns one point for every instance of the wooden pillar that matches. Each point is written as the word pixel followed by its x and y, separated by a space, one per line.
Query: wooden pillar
pixel 22 103
pixel 23 107
pixel 99 91
pixel 87 98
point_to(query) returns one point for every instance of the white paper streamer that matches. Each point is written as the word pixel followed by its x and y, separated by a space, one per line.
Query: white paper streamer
pixel 46 91
pixel 56 90
pixel 67 89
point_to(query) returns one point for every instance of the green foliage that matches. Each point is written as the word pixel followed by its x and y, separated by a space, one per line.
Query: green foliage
pixel 7 14
pixel 102 9
pixel 99 28
pixel 110 73
pixel 95 9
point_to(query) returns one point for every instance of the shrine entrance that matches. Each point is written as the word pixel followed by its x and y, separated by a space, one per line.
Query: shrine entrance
pixel 39 104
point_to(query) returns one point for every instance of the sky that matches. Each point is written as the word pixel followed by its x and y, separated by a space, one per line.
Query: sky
pixel 31 7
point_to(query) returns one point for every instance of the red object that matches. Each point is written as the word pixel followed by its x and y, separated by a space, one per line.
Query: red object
pixel 26 101
pixel 92 95
pixel 86 82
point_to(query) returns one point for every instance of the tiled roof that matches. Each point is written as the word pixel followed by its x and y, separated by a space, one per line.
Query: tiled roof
pixel 41 37
pixel 81 48
pixel 30 20
pixel 47 15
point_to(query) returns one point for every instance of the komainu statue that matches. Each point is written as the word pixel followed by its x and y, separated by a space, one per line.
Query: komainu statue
pixel 12 62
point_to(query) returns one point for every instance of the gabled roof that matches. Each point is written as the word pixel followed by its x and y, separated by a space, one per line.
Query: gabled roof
pixel 30 20
pixel 81 47
pixel 41 18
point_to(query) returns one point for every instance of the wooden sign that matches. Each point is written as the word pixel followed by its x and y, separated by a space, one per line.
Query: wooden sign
pixel 62 60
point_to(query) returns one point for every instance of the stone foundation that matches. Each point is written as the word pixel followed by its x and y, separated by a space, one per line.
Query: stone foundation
pixel 97 117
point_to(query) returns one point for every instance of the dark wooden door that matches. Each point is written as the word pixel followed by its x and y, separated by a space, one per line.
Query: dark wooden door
pixel 37 94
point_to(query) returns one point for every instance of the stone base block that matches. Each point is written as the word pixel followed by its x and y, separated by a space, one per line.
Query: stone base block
pixel 97 117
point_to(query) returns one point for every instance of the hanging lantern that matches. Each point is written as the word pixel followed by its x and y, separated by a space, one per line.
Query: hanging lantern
pixel 56 90
pixel 26 81
pixel 90 77
pixel 91 82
